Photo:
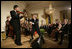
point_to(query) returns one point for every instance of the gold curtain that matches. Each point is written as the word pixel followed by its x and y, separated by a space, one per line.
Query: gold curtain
pixel 46 20
pixel 51 18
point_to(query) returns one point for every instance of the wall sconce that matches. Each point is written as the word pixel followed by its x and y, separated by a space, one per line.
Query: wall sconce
pixel 70 8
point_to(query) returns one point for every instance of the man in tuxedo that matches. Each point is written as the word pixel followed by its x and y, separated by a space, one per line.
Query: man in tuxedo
pixel 15 22
pixel 35 27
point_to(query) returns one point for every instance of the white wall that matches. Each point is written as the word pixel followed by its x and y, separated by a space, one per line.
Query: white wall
pixel 6 7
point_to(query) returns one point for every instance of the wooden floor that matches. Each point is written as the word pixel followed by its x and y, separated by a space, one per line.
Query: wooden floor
pixel 49 43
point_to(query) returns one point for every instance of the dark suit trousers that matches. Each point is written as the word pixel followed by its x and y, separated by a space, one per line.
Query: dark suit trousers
pixel 17 32
pixel 56 35
pixel 35 29
pixel 62 37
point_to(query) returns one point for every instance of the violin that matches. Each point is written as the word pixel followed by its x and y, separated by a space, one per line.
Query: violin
pixel 20 12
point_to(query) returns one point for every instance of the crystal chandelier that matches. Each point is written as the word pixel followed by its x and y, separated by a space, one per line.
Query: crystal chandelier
pixel 50 10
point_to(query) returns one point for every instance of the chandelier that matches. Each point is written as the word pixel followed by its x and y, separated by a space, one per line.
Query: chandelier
pixel 50 10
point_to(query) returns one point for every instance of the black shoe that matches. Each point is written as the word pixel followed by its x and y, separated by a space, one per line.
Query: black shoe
pixel 19 44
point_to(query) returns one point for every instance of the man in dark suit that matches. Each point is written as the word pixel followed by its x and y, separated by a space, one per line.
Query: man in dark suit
pixel 56 32
pixel 15 22
pixel 63 30
pixel 35 27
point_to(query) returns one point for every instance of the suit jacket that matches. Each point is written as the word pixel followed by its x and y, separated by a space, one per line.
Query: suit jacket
pixel 15 18
pixel 69 29
pixel 64 28
pixel 35 22
pixel 57 25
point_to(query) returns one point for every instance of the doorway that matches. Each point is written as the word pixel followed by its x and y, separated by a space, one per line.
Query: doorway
pixel 48 19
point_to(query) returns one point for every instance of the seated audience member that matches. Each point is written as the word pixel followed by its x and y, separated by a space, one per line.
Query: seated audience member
pixel 49 30
pixel 56 29
pixel 53 26
pixel 7 26
pixel 59 27
pixel 22 26
pixel 26 26
pixel 63 30
pixel 69 35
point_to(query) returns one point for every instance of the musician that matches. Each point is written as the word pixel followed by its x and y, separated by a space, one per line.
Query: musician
pixel 7 26
pixel 35 27
pixel 15 22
